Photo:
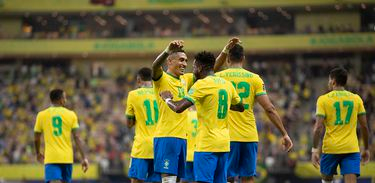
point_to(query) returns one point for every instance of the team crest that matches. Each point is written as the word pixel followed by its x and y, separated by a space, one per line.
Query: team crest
pixel 166 164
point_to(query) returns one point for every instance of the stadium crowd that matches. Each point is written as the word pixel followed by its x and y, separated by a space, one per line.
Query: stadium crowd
pixel 99 104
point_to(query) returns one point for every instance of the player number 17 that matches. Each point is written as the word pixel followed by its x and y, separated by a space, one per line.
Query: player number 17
pixel 349 105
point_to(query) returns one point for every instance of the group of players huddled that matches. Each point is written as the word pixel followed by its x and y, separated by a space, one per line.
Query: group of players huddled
pixel 200 126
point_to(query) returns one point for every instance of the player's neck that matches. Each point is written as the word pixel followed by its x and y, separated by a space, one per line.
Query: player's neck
pixel 173 74
pixel 205 74
pixel 56 105
pixel 338 88
pixel 146 84
pixel 235 65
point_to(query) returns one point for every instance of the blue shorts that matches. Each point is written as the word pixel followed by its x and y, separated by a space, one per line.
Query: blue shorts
pixel 189 172
pixel 210 166
pixel 170 155
pixel 242 160
pixel 349 163
pixel 143 169
pixel 58 172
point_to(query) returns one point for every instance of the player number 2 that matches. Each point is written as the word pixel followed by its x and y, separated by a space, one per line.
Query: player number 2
pixel 223 104
pixel 245 93
pixel 349 105
pixel 57 125
pixel 149 120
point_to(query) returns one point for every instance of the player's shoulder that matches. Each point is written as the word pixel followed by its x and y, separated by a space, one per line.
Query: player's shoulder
pixel 42 112
pixel 69 111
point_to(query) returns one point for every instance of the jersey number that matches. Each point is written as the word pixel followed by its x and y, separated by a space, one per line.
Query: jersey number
pixel 57 125
pixel 349 105
pixel 245 93
pixel 149 120
pixel 223 104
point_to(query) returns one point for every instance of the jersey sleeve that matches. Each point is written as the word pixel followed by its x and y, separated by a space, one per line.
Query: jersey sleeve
pixel 320 110
pixel 361 107
pixel 75 124
pixel 236 99
pixel 158 81
pixel 195 93
pixel 259 87
pixel 38 124
pixel 129 113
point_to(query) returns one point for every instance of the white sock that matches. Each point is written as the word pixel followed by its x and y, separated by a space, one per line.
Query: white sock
pixel 169 179
pixel 324 181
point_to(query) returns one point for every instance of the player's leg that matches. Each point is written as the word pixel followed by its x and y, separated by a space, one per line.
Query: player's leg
pixel 233 161
pixel 152 176
pixel 66 170
pixel 328 166
pixel 221 167
pixel 350 167
pixel 166 157
pixel 248 161
pixel 138 170
pixel 53 173
pixel 189 173
pixel 204 166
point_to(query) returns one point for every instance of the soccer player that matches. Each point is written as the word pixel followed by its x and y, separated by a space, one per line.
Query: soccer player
pixel 191 136
pixel 142 111
pixel 242 126
pixel 170 134
pixel 57 124
pixel 213 96
pixel 338 111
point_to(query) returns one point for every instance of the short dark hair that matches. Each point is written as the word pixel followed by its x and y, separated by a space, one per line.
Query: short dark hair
pixel 145 74
pixel 56 94
pixel 205 59
pixel 340 75
pixel 236 53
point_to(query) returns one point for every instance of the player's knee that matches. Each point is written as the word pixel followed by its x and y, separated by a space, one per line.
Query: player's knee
pixel 327 178
pixel 247 179
pixel 230 179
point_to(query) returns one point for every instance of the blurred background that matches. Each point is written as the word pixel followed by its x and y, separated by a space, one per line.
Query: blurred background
pixel 93 48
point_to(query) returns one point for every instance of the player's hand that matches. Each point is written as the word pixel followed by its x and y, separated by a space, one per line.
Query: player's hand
pixel 85 165
pixel 315 159
pixel 166 94
pixel 365 157
pixel 287 143
pixel 174 45
pixel 233 41
pixel 40 157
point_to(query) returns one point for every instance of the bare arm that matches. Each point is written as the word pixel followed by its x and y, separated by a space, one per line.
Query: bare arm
pixel 365 155
pixel 157 70
pixel 78 142
pixel 272 114
pixel 220 60
pixel 130 122
pixel 317 133
pixel 179 106
pixel 238 107
pixel 37 142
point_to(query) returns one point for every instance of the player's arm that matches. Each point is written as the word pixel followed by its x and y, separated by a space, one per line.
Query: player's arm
pixel 157 70
pixel 81 149
pixel 176 106
pixel 238 107
pixel 273 115
pixel 130 121
pixel 37 142
pixel 220 60
pixel 38 128
pixel 317 133
pixel 365 155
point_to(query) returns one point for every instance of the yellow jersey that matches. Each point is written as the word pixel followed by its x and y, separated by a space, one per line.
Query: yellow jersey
pixel 56 124
pixel 340 108
pixel 242 125
pixel 141 105
pixel 172 124
pixel 192 133
pixel 213 97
